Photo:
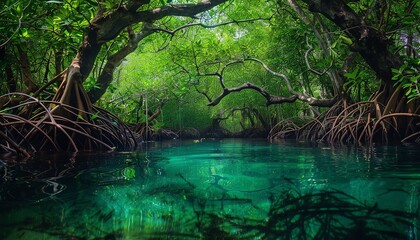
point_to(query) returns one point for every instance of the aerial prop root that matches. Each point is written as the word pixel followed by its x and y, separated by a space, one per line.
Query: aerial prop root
pixel 412 129
pixel 45 131
pixel 149 132
pixel 362 122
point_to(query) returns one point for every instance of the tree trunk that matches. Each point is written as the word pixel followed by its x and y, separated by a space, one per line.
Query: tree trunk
pixel 107 73
pixel 390 103
pixel 71 91
pixel 105 27
pixel 58 60
pixel 27 77
pixel 11 81
pixel 369 42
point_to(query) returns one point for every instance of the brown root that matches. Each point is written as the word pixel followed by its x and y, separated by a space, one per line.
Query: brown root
pixel 149 132
pixel 359 123
pixel 47 132
pixel 287 128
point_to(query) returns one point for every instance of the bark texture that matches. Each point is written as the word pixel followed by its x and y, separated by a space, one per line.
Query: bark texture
pixel 372 44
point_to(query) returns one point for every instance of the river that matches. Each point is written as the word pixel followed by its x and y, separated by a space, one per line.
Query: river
pixel 215 189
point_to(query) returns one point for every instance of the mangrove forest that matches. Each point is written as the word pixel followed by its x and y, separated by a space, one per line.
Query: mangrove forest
pixel 105 94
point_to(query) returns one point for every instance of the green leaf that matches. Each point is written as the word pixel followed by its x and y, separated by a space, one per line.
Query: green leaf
pixel 346 40
pixel 334 44
pixel 395 70
pixel 352 75
pixel 25 33
pixel 93 3
pixel 94 116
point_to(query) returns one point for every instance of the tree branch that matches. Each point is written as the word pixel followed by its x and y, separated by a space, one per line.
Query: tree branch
pixel 19 25
pixel 113 61
pixel 110 25
pixel 284 77
pixel 370 42
pixel 173 32
pixel 309 65
pixel 270 99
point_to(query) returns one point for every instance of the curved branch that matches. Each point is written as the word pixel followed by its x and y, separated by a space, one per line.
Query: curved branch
pixel 58 78
pixel 113 61
pixel 203 93
pixel 270 99
pixel 309 65
pixel 172 32
pixel 409 46
pixel 285 78
pixel 329 102
pixel 371 43
pixel 303 97
pixel 110 25
pixel 18 27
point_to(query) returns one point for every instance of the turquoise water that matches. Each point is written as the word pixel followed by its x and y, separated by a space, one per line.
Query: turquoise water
pixel 215 189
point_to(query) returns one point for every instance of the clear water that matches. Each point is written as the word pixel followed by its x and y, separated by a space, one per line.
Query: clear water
pixel 215 189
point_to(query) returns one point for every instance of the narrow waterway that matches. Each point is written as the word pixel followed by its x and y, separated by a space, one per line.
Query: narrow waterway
pixel 232 189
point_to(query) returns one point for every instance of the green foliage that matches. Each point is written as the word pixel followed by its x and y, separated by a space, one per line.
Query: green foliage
pixel 90 83
pixel 172 68
pixel 49 33
pixel 408 77
pixel 355 80
pixel 194 114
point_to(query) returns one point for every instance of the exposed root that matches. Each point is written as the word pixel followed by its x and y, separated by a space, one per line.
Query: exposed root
pixel 412 130
pixel 149 132
pixel 287 128
pixel 363 122
pixel 44 131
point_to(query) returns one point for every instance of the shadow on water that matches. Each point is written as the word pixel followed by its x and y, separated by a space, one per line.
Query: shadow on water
pixel 158 193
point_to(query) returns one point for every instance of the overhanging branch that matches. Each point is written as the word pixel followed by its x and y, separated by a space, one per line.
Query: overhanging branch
pixel 110 25
pixel 113 61
pixel 270 99
pixel 172 32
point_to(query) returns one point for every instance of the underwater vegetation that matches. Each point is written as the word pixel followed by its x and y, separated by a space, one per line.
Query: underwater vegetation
pixel 326 214
pixel 213 190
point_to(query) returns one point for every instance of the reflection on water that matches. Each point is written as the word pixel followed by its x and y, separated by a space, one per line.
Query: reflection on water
pixel 215 189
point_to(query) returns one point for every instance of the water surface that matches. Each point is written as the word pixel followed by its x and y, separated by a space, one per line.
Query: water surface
pixel 240 189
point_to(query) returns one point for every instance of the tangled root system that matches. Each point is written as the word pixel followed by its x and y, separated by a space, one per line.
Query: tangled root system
pixel 44 131
pixel 360 123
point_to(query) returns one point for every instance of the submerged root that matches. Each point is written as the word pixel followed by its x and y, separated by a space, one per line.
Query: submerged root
pixel 293 214
pixel 44 131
